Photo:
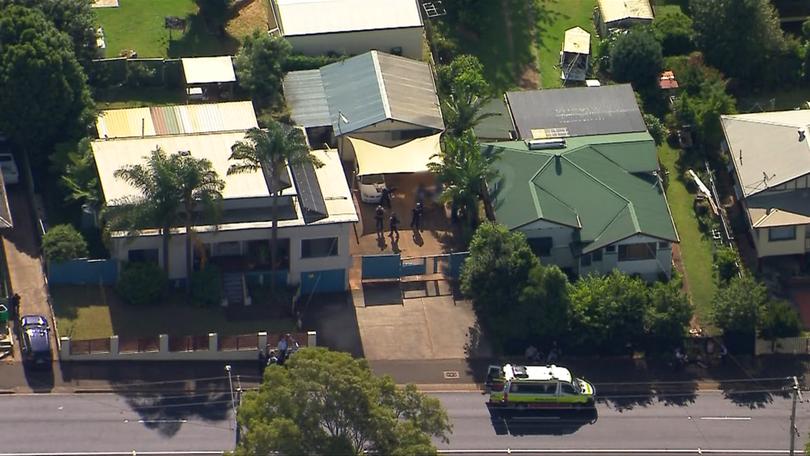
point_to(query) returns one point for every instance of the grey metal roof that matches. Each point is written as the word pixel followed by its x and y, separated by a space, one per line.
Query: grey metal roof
pixel 583 111
pixel 361 91
pixel 498 127
pixel 309 192
pixel 306 98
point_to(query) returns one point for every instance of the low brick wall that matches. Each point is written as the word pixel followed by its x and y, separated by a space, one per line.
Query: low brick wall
pixel 177 348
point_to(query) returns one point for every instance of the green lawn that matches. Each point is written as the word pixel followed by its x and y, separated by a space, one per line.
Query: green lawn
pixel 90 312
pixel 696 250
pixel 775 100
pixel 128 97
pixel 557 16
pixel 139 25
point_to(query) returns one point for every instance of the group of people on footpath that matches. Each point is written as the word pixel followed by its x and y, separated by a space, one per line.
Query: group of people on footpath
pixel 535 355
pixel 285 348
pixel 417 213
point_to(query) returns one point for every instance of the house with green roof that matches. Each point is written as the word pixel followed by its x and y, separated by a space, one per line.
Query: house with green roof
pixel 589 204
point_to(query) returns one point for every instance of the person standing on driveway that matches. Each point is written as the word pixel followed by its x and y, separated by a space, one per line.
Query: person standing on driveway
pixel 394 223
pixel 385 197
pixel 379 213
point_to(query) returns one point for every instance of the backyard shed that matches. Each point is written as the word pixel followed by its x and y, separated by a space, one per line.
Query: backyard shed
pixel 575 55
pixel 620 14
pixel 208 77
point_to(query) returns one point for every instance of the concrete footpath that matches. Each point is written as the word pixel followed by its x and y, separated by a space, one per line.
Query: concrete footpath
pixel 612 375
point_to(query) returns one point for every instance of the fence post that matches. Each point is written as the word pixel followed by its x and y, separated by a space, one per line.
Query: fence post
pixel 262 343
pixel 64 351
pixel 312 339
pixel 114 345
pixel 164 343
pixel 213 342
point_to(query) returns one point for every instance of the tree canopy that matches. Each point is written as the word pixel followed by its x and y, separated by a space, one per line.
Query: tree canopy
pixel 323 402
pixel 636 57
pixel 260 66
pixel 464 75
pixel 674 31
pixel 738 305
pixel 737 36
pixel 45 96
pixel 63 243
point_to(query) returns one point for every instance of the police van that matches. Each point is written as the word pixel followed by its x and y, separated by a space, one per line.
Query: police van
pixel 519 387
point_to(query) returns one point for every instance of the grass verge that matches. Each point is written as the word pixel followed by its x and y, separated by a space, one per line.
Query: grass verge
pixel 696 249
pixel 91 312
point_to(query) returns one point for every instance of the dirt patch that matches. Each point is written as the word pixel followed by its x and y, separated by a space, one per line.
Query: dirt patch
pixel 251 17
pixel 529 78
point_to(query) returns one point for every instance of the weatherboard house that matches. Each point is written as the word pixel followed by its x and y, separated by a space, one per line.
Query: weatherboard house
pixel 315 208
pixel 589 204
pixel 770 156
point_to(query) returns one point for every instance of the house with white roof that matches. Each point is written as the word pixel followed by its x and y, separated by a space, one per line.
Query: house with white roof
pixel 315 213
pixel 350 27
pixel 770 156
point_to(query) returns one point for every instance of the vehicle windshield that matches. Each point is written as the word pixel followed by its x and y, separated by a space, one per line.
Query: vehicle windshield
pixel 371 179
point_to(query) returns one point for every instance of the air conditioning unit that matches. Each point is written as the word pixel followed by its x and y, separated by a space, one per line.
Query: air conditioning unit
pixel 543 144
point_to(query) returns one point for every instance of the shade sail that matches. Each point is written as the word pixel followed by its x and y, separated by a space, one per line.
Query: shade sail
pixel 411 157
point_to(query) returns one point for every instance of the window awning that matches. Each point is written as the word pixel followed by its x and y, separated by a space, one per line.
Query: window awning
pixel 411 157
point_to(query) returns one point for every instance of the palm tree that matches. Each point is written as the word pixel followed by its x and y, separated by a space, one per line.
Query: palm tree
pixel 464 170
pixel 462 112
pixel 271 151
pixel 171 188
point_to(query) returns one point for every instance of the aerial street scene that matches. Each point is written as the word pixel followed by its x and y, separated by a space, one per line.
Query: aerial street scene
pixel 404 227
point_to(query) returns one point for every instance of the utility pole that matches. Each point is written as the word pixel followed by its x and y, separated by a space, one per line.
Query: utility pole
pixel 233 400
pixel 793 430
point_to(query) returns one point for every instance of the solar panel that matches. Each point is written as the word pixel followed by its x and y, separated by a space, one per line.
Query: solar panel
pixel 310 196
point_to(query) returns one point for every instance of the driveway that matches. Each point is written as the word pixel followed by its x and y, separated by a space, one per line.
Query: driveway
pixel 22 256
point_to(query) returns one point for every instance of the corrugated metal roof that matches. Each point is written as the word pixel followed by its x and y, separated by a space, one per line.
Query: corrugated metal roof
pixel 306 98
pixel 364 90
pixel 174 120
pixel 309 17
pixel 498 127
pixel 616 10
pixel 208 70
pixel 583 111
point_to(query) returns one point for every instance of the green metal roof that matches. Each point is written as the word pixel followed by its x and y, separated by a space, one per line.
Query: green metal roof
pixel 604 185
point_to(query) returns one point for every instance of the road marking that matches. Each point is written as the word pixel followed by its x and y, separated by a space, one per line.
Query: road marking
pixel 162 421
pixel 726 418
pixel 451 374
pixel 611 452
pixel 122 453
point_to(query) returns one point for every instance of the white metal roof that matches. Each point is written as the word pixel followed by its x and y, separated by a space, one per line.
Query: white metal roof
pixel 540 373
pixel 310 17
pixel 766 148
pixel 208 70
pixel 616 10
pixel 334 188
pixel 173 120
pixel 112 155
pixel 577 41
pixel 410 157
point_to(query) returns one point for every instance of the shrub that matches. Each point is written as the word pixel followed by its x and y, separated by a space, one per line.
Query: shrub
pixel 726 264
pixel 142 283
pixel 779 319
pixel 656 128
pixel 206 286
pixel 298 62
pixel 636 57
pixel 140 75
pixel 63 243
pixel 674 32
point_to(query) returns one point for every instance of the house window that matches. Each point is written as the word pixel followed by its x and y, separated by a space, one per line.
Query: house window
pixel 636 252
pixel 258 253
pixel 541 246
pixel 232 248
pixel 782 233
pixel 585 259
pixel 143 256
pixel 316 248
pixel 610 249
pixel 663 245
pixel 596 255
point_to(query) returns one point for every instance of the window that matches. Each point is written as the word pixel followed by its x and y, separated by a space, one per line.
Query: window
pixel 610 249
pixel 541 246
pixel 315 248
pixel 232 248
pixel 782 233
pixel 596 255
pixel 637 252
pixel 663 245
pixel 533 388
pixel 585 259
pixel 567 388
pixel 143 256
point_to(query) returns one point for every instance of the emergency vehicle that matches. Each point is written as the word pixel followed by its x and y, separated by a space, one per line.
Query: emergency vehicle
pixel 552 386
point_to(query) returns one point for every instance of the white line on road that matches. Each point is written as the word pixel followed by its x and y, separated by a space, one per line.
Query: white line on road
pixel 726 418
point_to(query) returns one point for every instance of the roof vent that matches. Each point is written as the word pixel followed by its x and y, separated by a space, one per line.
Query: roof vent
pixel 543 144
pixel 520 371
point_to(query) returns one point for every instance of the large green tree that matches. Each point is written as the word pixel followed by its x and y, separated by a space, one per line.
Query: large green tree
pixel 173 190
pixel 668 314
pixel 494 275
pixel 737 36
pixel 463 75
pixel 260 67
pixel 75 18
pixel 44 98
pixel 544 307
pixel 465 171
pixel 674 31
pixel 636 57
pixel 737 306
pixel 271 151
pixel 328 403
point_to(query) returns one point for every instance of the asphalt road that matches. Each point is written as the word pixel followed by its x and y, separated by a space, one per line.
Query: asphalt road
pixel 709 423
pixel 101 424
